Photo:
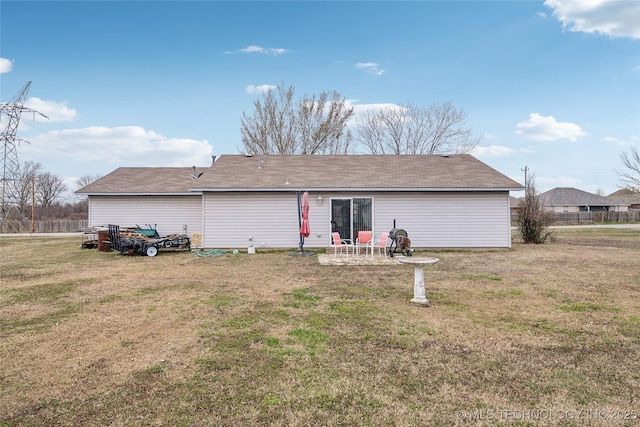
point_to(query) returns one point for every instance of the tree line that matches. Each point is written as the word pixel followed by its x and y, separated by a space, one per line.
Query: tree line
pixel 38 194
pixel 282 124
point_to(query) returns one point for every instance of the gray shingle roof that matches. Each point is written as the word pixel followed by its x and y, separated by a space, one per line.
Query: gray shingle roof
pixel 514 201
pixel 626 196
pixel 377 172
pixel 271 172
pixel 568 196
pixel 132 180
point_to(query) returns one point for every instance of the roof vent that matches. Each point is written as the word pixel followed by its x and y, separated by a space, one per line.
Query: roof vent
pixel 194 176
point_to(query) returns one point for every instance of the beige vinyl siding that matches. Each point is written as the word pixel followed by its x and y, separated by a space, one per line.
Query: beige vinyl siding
pixel 444 219
pixel 449 219
pixel 265 219
pixel 431 219
pixel 169 213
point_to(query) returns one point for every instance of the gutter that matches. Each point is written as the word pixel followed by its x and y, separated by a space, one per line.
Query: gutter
pixel 143 194
pixel 353 189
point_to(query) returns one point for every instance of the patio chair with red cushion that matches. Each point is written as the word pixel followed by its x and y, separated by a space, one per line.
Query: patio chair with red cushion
pixel 381 245
pixel 363 241
pixel 343 244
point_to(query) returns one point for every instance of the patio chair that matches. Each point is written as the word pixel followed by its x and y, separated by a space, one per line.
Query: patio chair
pixel 343 244
pixel 381 244
pixel 363 241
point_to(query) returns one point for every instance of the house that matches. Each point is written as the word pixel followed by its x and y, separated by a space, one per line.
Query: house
pixel 628 197
pixel 570 200
pixel 515 204
pixel 452 201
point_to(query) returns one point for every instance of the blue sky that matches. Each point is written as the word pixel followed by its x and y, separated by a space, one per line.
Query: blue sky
pixel 554 86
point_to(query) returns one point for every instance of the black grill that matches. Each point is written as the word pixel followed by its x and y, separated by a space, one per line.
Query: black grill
pixel 400 242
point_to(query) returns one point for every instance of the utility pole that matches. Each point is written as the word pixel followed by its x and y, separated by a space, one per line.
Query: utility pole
pixel 9 161
pixel 526 180
pixel 33 203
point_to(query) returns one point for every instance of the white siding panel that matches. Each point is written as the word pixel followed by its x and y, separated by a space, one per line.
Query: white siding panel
pixel 447 220
pixel 431 219
pixel 169 213
pixel 270 220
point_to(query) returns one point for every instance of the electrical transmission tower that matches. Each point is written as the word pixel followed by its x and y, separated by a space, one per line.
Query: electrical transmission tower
pixel 9 160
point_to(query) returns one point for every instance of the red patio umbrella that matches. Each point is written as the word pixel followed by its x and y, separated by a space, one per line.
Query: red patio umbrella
pixel 304 226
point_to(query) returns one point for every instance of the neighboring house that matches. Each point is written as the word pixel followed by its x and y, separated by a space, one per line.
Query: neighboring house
pixel 570 200
pixel 515 204
pixel 628 197
pixel 451 201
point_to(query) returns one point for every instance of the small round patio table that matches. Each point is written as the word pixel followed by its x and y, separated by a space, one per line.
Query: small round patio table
pixel 419 296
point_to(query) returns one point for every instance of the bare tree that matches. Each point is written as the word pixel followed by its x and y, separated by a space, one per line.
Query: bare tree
pixel 85 180
pixel 281 125
pixel 411 129
pixel 49 188
pixel 322 124
pixel 24 186
pixel 81 204
pixel 631 161
pixel 534 220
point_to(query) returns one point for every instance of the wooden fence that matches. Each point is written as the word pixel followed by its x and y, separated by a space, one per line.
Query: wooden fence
pixel 70 225
pixel 566 218
pixel 44 226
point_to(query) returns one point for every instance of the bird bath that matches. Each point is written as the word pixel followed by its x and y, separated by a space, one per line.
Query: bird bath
pixel 419 296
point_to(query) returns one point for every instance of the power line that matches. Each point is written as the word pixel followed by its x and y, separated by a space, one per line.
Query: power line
pixel 9 161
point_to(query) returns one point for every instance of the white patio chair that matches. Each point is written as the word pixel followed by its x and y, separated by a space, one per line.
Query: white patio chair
pixel 343 244
pixel 381 244
pixel 363 241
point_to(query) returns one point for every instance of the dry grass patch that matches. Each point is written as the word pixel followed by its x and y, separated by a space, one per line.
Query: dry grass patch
pixel 92 338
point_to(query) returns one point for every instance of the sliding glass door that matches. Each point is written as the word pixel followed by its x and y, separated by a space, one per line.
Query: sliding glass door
pixel 350 215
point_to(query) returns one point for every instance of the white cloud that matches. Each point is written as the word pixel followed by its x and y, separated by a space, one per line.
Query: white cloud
pixel 620 142
pixel 527 150
pixel 55 111
pixel 114 147
pixel 360 109
pixel 612 140
pixel 546 183
pixel 540 128
pixel 370 67
pixel 492 151
pixel 263 50
pixel 6 65
pixel 613 18
pixel 251 89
